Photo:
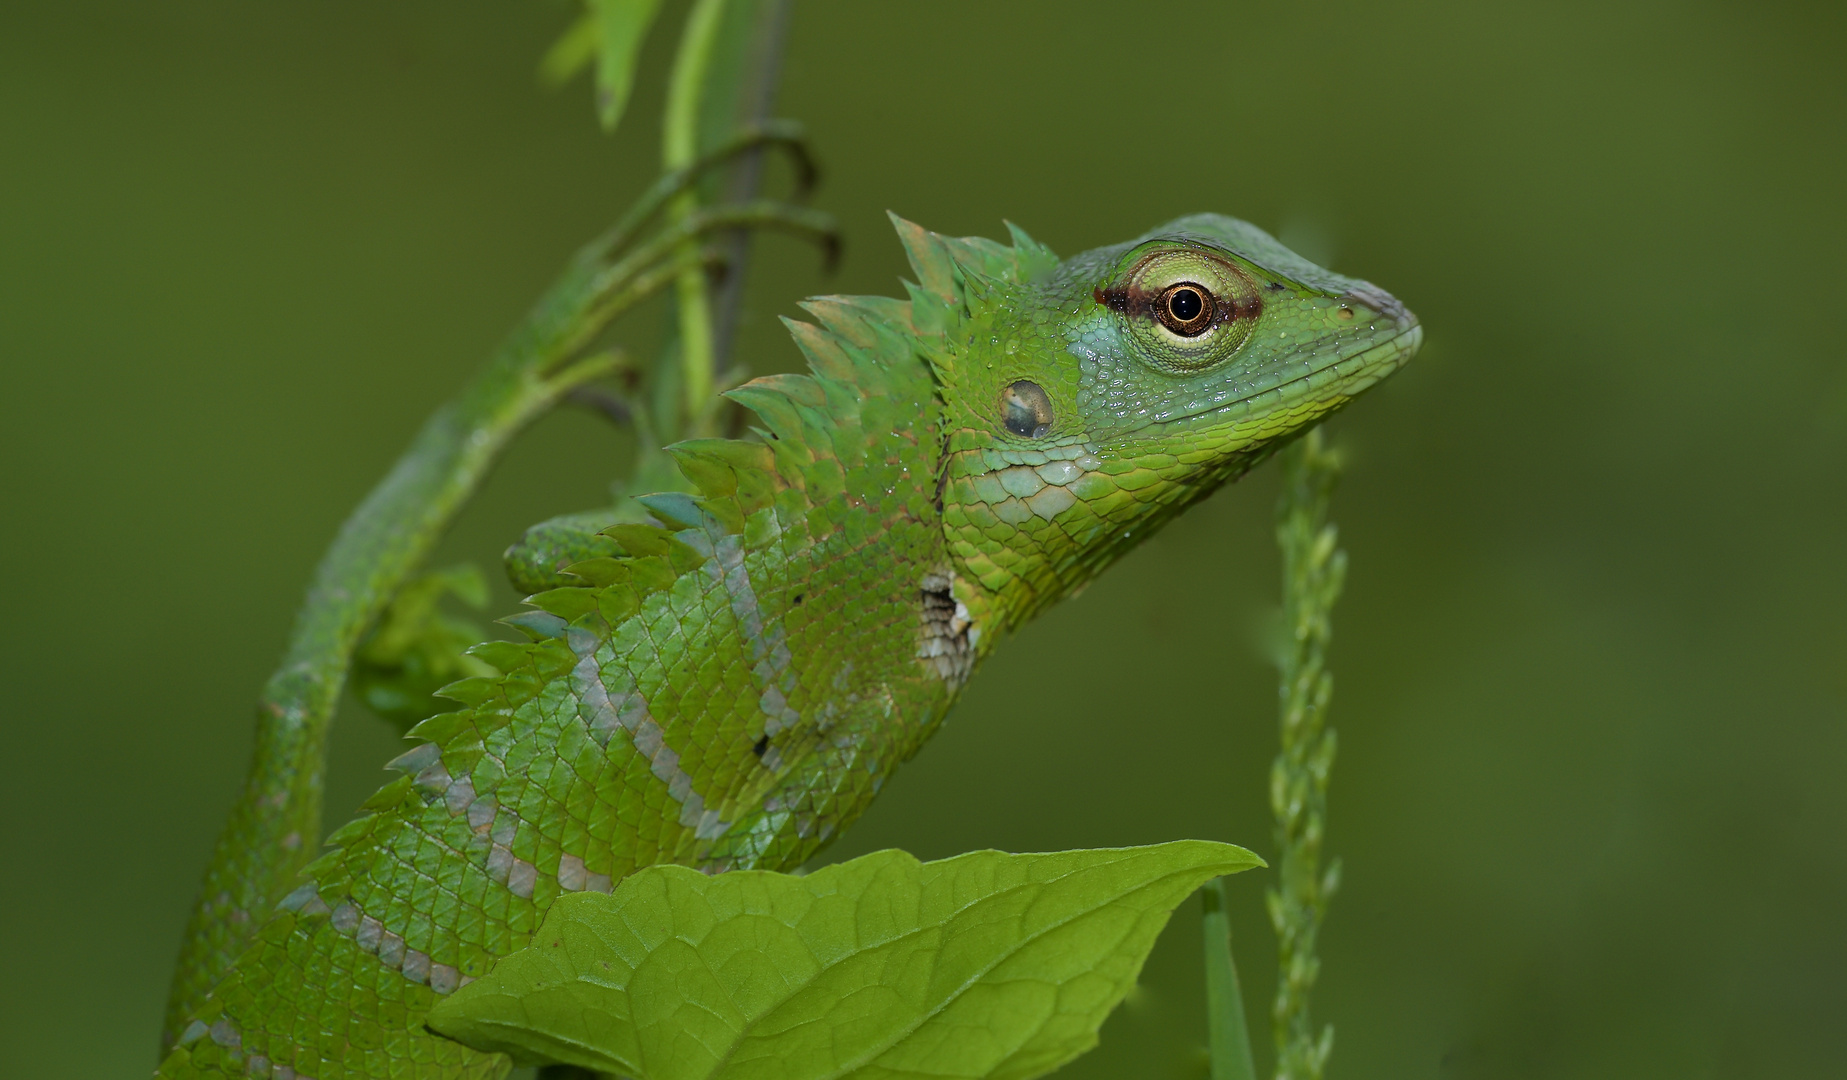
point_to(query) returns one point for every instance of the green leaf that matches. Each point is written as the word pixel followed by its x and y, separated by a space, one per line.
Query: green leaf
pixel 611 33
pixel 571 53
pixel 984 965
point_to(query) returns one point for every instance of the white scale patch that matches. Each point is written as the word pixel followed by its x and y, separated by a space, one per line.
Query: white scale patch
pixel 225 1034
pixel 603 715
pixel 371 936
pixel 949 634
pixel 771 660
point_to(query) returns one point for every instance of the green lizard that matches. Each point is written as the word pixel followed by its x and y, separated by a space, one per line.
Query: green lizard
pixel 729 686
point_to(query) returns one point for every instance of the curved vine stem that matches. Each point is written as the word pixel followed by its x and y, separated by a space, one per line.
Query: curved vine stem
pixel 275 824
pixel 784 135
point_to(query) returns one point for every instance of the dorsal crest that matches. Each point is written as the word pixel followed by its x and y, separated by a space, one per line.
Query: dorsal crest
pixel 957 276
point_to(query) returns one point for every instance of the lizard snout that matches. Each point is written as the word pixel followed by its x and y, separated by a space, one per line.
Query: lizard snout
pixel 1382 303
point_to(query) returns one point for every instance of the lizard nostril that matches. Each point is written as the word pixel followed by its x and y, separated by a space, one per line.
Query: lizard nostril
pixel 1378 302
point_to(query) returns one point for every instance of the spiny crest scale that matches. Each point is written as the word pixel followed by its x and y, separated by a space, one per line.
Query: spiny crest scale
pixel 860 355
pixel 946 266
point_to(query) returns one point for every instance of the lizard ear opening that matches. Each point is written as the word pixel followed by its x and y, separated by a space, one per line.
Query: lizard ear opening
pixel 1026 409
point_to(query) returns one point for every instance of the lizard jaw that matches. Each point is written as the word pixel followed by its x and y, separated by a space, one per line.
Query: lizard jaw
pixel 1349 374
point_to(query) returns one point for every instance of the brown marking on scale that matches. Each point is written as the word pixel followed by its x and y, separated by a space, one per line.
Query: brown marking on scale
pixel 943 458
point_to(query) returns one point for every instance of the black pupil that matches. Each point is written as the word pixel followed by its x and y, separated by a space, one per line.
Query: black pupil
pixel 1185 304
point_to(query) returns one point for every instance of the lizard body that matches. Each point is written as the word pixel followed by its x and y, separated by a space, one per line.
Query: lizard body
pixel 730 686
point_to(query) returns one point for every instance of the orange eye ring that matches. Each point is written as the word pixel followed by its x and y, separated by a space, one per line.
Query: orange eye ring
pixel 1186 308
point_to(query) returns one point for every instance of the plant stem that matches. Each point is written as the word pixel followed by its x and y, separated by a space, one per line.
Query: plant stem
pixel 275 825
pixel 1227 1035
pixel 679 148
pixel 764 31
pixel 1313 570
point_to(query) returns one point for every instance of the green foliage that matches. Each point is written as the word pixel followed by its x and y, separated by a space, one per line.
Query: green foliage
pixel 1228 1038
pixel 418 648
pixel 983 965
pixel 610 32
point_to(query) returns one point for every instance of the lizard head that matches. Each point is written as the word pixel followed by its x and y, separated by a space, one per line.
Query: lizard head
pixel 1087 402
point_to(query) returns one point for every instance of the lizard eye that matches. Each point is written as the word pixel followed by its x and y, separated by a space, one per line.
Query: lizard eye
pixel 1186 309
pixel 1026 409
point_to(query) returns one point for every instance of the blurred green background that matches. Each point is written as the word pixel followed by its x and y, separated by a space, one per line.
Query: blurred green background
pixel 1592 661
